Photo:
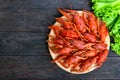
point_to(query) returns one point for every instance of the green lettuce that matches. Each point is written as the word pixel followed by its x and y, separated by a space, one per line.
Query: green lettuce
pixel 115 30
pixel 109 12
pixel 116 47
pixel 106 1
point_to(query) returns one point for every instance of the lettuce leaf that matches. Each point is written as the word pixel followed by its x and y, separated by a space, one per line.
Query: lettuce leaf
pixel 116 47
pixel 116 27
pixel 109 12
pixel 106 1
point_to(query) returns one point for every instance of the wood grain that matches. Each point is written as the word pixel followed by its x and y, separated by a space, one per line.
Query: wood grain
pixel 23 43
pixel 38 67
pixel 32 15
pixel 23 49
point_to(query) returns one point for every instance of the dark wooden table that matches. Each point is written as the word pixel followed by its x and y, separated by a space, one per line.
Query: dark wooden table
pixel 23 49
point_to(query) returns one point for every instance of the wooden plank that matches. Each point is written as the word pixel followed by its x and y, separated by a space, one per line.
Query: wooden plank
pixel 34 15
pixel 40 67
pixel 45 4
pixel 25 43
pixel 25 20
pixel 28 4
pixel 15 18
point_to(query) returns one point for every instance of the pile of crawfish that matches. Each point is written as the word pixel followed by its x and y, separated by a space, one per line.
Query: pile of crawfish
pixel 79 41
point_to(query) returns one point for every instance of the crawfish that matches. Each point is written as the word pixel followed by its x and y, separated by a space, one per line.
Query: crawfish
pixel 78 44
pixel 67 61
pixel 89 53
pixel 88 64
pixel 69 34
pixel 81 44
pixel 79 23
pixel 92 21
pixel 103 31
pixel 85 65
pixel 102 57
pixel 58 41
pixel 65 51
pixel 90 37
pixel 72 60
pixel 100 46
pixel 56 30
pixel 65 24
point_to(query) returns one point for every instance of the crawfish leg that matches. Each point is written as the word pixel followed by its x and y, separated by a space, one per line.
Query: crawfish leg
pixel 65 14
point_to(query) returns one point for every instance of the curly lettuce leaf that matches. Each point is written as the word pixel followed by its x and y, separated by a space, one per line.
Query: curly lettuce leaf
pixel 117 38
pixel 116 47
pixel 115 33
pixel 109 12
pixel 116 28
pixel 102 5
pixel 106 1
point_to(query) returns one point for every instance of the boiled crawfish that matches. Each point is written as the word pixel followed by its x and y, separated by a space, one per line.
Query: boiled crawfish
pixel 79 40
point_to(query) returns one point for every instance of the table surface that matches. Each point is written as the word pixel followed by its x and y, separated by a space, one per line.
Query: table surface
pixel 23 49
